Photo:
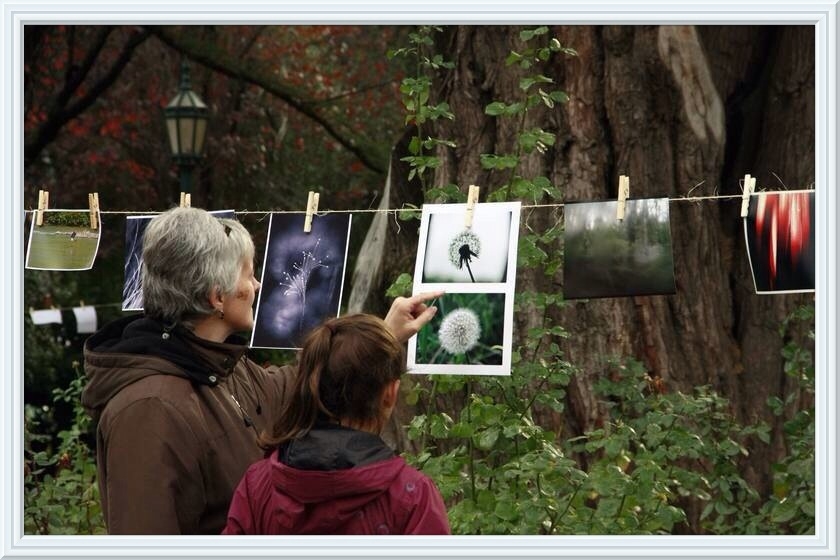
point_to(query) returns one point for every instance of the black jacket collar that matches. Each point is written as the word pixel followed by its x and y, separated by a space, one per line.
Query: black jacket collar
pixel 203 361
pixel 330 447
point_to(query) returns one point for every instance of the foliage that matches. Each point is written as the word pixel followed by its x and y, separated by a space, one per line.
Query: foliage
pixel 60 490
pixel 416 98
pixel 77 219
pixel 536 92
pixel 791 506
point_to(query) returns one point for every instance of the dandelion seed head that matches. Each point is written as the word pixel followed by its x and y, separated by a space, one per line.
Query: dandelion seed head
pixel 468 238
pixel 459 331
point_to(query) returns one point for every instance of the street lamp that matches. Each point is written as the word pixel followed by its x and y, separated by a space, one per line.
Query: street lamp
pixel 186 125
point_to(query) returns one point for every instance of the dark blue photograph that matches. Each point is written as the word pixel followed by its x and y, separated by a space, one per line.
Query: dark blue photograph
pixel 302 278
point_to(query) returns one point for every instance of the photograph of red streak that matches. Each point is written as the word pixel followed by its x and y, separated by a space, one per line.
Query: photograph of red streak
pixel 780 241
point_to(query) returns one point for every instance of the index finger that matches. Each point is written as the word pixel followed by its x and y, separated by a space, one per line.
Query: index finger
pixel 425 296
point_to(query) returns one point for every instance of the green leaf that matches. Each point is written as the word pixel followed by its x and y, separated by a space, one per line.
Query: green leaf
pixel 495 109
pixel 505 510
pixel 414 145
pixel 401 286
pixel 513 58
pixel 487 439
pixel 493 161
pixel 559 96
pixel 784 512
pixel 529 34
pixel 446 193
pixel 409 212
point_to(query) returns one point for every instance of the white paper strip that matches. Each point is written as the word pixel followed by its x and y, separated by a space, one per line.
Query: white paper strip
pixel 85 319
pixel 45 316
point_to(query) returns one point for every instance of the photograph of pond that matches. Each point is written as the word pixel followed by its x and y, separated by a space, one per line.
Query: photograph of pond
pixel 302 278
pixel 64 241
pixel 779 231
pixel 607 257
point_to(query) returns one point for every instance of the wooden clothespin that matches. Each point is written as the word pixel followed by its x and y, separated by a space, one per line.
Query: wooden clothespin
pixel 749 188
pixel 81 303
pixel 43 205
pixel 623 195
pixel 472 200
pixel 185 200
pixel 93 203
pixel 311 208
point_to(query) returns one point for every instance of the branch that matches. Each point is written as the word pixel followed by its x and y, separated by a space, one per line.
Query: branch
pixel 238 69
pixel 61 113
pixel 77 74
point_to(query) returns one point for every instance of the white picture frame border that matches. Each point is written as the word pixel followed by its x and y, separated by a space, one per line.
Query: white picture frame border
pixel 457 212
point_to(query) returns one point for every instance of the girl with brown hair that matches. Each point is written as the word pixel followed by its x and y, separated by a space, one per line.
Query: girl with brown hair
pixel 327 471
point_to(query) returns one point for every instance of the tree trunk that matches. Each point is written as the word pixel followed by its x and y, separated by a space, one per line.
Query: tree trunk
pixel 677 109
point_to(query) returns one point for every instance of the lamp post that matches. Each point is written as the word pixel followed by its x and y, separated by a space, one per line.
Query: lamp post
pixel 186 126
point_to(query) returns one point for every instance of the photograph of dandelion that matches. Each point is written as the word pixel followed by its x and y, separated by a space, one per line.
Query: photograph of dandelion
pixel 608 257
pixel 135 227
pixel 451 252
pixel 302 278
pixel 65 240
pixel 779 231
pixel 468 335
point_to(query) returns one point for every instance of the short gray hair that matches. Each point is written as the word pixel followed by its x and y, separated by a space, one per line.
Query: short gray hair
pixel 187 252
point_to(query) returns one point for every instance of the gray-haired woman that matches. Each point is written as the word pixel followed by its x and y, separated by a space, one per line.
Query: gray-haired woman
pixel 178 403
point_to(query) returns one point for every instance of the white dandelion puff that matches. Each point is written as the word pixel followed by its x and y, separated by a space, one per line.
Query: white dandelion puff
pixel 462 248
pixel 459 331
pixel 467 238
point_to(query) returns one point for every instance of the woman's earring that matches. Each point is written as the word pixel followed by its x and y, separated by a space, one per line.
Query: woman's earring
pixel 221 314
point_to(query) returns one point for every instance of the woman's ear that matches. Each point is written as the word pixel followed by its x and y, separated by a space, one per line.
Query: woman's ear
pixel 390 394
pixel 215 298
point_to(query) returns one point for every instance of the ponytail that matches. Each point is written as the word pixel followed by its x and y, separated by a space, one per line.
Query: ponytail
pixel 305 406
pixel 342 369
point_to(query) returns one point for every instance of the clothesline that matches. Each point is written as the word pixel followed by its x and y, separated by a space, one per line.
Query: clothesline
pixel 411 208
pixel 81 304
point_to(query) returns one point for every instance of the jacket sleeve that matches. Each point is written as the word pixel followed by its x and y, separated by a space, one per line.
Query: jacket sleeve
pixel 428 516
pixel 240 519
pixel 152 469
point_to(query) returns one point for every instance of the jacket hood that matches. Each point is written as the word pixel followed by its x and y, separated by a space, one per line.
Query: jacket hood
pixel 329 475
pixel 134 347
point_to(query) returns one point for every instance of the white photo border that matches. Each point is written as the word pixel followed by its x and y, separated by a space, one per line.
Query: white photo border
pixel 468 369
pixel 457 211
pixel 822 14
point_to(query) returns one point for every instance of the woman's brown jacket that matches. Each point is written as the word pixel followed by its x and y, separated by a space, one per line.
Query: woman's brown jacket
pixel 177 420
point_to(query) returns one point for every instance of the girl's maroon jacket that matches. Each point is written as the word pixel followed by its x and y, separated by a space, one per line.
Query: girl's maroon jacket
pixel 343 482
